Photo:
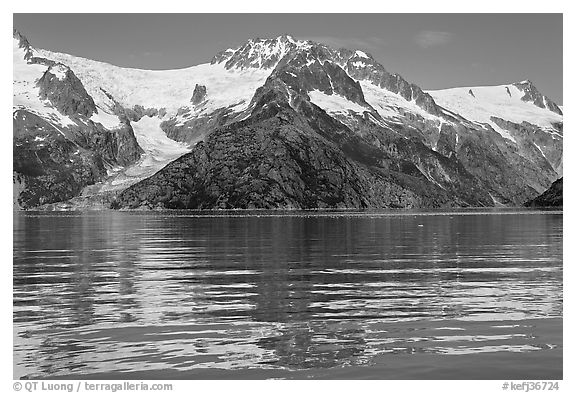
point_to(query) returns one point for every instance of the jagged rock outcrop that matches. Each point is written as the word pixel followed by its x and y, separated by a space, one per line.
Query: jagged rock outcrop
pixel 117 147
pixel 533 95
pixel 553 197
pixel 24 44
pixel 198 95
pixel 64 90
pixel 138 112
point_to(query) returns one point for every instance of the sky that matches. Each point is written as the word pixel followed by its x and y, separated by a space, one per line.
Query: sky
pixel 434 51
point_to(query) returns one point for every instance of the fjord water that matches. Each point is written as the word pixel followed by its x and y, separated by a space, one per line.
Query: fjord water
pixel 392 294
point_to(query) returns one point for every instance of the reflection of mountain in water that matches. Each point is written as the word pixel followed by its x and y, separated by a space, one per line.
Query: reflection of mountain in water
pixel 115 291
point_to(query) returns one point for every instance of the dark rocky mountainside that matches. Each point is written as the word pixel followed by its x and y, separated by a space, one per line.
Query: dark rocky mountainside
pixel 198 95
pixel 276 160
pixel 64 90
pixel 552 197
pixel 459 140
pixel 47 166
pixel 54 166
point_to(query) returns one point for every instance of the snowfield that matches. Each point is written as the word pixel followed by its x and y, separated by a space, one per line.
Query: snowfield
pixel 502 101
pixel 169 89
pixel 106 119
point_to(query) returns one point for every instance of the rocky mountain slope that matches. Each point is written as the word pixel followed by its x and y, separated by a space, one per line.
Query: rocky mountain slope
pixel 284 123
pixel 518 112
pixel 552 197
pixel 277 159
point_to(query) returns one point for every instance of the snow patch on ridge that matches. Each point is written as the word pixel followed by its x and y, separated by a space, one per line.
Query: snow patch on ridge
pixel 389 104
pixel 59 71
pixel 334 103
pixel 107 120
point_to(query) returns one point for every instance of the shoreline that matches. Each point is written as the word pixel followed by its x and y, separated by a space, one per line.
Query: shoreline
pixel 383 212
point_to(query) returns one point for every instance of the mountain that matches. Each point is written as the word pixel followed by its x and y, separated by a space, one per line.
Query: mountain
pixel 62 141
pixel 517 111
pixel 552 197
pixel 285 123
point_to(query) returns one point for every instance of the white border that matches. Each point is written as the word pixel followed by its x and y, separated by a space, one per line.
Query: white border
pixel 307 6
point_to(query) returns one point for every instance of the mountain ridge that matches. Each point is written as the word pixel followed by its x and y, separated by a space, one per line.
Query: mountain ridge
pixel 347 97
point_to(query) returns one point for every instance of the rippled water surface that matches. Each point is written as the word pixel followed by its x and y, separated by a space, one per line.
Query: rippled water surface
pixel 109 293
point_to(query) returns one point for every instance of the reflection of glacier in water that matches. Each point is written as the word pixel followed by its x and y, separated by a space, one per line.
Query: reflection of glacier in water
pixel 125 291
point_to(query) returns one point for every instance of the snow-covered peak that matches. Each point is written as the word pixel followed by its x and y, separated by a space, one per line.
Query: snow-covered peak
pixel 260 53
pixel 267 53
